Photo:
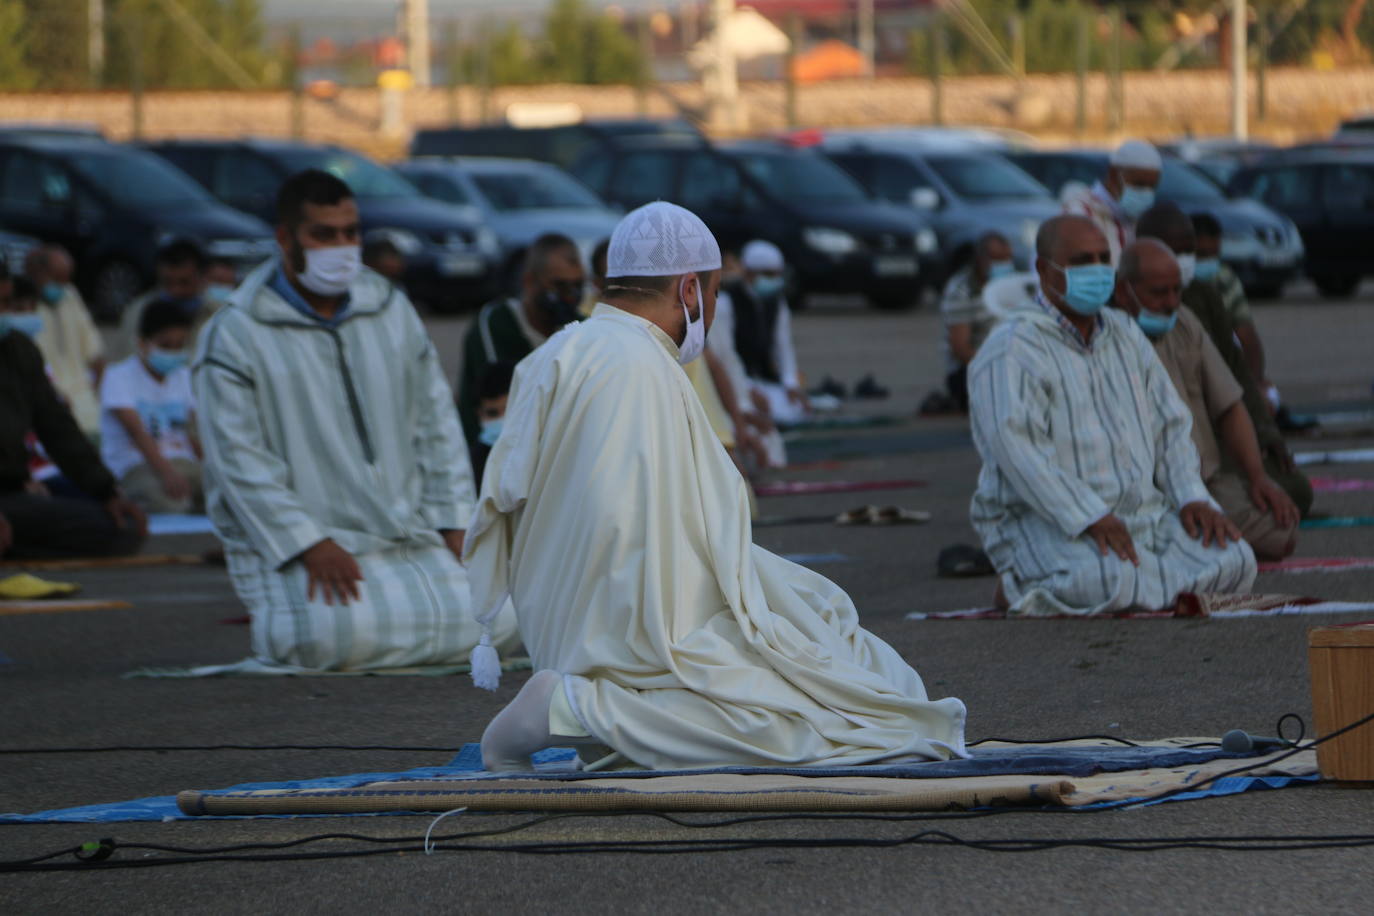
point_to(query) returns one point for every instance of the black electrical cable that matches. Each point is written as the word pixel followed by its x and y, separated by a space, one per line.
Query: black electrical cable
pixel 97 856
pixel 159 748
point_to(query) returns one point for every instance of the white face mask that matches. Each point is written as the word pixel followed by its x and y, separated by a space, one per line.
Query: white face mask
pixel 330 271
pixel 695 341
pixel 1187 268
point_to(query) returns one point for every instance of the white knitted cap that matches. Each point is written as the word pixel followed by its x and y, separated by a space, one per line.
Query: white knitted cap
pixel 761 255
pixel 661 240
pixel 1137 154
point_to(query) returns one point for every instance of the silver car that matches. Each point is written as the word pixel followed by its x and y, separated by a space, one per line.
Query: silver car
pixel 520 200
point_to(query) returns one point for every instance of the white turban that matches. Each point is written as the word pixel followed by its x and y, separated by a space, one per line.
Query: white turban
pixel 1137 154
pixel 661 240
pixel 759 255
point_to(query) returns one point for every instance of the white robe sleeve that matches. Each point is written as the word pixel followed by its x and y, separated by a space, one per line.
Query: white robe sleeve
pixel 1010 412
pixel 252 480
pixel 447 495
pixel 784 347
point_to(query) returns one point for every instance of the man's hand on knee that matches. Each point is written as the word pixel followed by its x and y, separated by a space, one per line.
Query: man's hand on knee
pixel 1111 535
pixel 1202 521
pixel 126 514
pixel 1270 497
pixel 333 571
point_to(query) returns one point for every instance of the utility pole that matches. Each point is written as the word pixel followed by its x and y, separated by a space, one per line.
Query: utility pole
pixel 722 77
pixel 416 17
pixel 867 38
pixel 95 42
pixel 1240 128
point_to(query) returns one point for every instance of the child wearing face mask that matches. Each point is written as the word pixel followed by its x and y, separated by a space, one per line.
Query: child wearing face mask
pixel 492 393
pixel 147 416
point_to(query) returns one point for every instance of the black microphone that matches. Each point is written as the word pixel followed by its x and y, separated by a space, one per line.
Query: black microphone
pixel 1237 741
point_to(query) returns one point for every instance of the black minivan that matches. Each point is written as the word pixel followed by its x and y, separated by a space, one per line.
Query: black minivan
pixel 452 258
pixel 113 206
pixel 835 237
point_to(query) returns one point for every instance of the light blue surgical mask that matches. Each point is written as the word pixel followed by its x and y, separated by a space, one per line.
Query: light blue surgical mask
pixel 218 292
pixel 52 293
pixel 28 323
pixel 165 362
pixel 1154 324
pixel 1136 200
pixel 1207 269
pixel 999 269
pixel 491 431
pixel 1087 287
pixel 767 285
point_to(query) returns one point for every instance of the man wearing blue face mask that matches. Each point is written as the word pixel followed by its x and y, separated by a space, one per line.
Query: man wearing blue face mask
pixel 1117 201
pixel 1150 289
pixel 967 319
pixel 70 341
pixel 756 317
pixel 1090 499
pixel 147 419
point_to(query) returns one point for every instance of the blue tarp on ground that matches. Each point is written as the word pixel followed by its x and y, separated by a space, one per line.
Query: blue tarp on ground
pixel 555 764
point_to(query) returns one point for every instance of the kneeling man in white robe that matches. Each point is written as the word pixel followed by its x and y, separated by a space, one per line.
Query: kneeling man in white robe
pixel 620 527
pixel 336 473
pixel 1091 497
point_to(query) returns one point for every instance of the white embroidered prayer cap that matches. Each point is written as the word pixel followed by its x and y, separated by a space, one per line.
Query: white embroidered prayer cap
pixel 761 255
pixel 661 240
pixel 1137 154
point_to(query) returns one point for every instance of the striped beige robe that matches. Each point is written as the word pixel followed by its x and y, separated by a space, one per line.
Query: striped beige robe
pixel 342 430
pixel 1068 433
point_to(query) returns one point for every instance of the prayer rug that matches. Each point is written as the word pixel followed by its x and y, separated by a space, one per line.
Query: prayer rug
pixel 1340 485
pixel 252 667
pixel 179 524
pixel 1072 774
pixel 808 487
pixel 1219 606
pixel 1335 456
pixel 142 559
pixel 825 423
pixel 1317 564
pixel 1338 521
pixel 58 606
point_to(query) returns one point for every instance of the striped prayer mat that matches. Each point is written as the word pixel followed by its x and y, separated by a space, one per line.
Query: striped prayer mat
pixel 1340 484
pixel 807 487
pixel 1317 564
pixel 1190 606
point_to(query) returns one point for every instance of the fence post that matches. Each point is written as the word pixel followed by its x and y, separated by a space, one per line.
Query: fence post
pixel 789 63
pixel 133 36
pixel 936 35
pixel 1080 114
pixel 484 72
pixel 644 33
pixel 453 67
pixel 1016 35
pixel 1262 63
pixel 1117 108
pixel 293 77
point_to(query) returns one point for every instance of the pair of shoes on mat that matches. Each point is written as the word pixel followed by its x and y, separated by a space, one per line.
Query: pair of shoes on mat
pixel 829 388
pixel 885 515
pixel 868 389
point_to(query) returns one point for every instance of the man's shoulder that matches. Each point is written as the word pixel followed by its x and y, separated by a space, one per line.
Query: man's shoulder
pixel 19 350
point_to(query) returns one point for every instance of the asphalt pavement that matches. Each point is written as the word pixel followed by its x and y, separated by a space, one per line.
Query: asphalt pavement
pixel 61 686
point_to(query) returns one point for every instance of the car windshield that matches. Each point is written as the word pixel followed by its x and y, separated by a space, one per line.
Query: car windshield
pixel 802 177
pixel 986 178
pixel 138 179
pixel 365 177
pixel 533 189
pixel 1179 181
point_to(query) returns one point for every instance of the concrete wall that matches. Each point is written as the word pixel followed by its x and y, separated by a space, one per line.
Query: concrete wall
pixel 1302 103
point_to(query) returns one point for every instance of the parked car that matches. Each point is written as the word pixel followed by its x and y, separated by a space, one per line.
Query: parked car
pixel 112 206
pixel 519 199
pixel 836 238
pixel 561 145
pixel 966 192
pixel 1329 195
pixel 1263 247
pixel 452 258
pixel 1219 157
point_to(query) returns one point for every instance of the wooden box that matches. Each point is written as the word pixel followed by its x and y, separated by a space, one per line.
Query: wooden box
pixel 1340 660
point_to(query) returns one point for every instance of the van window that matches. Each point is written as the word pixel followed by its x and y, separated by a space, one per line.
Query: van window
pixel 709 183
pixel 1348 187
pixel 645 176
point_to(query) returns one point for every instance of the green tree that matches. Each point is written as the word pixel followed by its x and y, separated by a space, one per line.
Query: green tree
pixel 171 49
pixel 15 73
pixel 578 45
pixel 56 47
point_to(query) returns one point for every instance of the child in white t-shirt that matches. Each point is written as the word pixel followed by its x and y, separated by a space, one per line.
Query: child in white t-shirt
pixel 147 416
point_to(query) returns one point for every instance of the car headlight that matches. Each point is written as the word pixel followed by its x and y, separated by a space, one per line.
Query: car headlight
pixel 406 242
pixel 926 241
pixel 488 242
pixel 1237 247
pixel 830 241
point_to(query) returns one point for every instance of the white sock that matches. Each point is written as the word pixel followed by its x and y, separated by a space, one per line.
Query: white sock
pixel 523 727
